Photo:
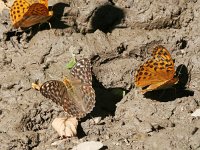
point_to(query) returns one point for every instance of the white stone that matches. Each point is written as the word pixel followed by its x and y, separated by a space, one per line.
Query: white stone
pixel 65 127
pixel 196 113
pixel 90 145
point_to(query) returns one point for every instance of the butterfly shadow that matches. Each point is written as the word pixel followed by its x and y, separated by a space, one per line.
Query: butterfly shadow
pixel 177 91
pixel 106 100
pixel 56 20
pixel 106 18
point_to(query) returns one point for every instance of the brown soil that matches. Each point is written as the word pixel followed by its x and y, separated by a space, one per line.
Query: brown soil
pixel 117 36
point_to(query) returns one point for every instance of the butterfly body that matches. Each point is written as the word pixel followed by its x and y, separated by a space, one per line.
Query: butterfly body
pixel 157 72
pixel 76 96
pixel 26 13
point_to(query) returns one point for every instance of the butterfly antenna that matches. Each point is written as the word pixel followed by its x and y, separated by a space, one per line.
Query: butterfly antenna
pixel 49 23
pixel 14 44
pixel 162 93
pixel 131 73
pixel 72 53
pixel 131 76
pixel 189 76
pixel 179 72
pixel 189 73
pixel 92 118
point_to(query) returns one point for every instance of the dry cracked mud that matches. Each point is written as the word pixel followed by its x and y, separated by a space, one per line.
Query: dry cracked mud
pixel 118 36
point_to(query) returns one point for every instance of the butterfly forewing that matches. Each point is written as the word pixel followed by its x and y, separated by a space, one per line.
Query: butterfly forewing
pixel 18 9
pixel 164 61
pixel 82 71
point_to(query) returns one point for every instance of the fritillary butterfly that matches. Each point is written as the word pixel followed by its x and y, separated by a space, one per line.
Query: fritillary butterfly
pixel 157 72
pixel 76 95
pixel 26 13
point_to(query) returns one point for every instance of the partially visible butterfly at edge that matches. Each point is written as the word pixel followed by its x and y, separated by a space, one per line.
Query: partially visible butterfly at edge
pixel 26 13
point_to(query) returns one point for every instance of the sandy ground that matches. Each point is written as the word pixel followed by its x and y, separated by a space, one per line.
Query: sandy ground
pixel 117 36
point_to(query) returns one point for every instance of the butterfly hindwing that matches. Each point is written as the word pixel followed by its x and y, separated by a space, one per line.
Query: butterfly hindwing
pixel 37 9
pixel 18 9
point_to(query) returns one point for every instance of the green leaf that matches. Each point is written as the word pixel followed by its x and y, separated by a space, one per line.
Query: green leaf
pixel 71 63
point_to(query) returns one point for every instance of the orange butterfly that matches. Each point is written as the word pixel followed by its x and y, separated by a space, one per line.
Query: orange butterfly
pixel 156 73
pixel 26 13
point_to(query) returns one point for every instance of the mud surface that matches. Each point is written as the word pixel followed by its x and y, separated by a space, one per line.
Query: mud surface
pixel 117 36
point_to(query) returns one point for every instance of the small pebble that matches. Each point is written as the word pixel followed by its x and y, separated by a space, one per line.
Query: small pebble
pixel 97 120
pixel 90 145
pixel 196 113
